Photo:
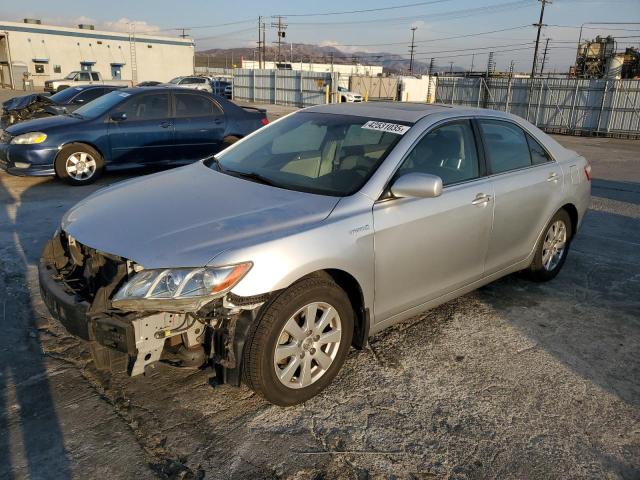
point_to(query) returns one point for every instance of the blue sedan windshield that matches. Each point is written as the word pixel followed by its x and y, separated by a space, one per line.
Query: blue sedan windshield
pixel 102 105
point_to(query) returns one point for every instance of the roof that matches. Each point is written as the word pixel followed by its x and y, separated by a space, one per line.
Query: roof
pixel 402 111
pixel 398 111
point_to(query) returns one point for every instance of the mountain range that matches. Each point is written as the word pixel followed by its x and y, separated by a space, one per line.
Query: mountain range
pixel 392 63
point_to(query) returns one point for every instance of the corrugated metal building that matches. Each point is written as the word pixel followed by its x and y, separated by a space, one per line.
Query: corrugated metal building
pixel 49 52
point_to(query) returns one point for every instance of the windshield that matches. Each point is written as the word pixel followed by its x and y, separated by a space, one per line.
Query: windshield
pixel 175 80
pixel 65 95
pixel 102 105
pixel 71 76
pixel 313 152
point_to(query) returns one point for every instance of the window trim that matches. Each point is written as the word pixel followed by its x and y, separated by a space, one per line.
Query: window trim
pixel 482 166
pixel 525 132
pixel 173 104
pixel 529 135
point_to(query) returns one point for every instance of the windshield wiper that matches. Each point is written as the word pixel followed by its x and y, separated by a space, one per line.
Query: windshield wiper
pixel 253 176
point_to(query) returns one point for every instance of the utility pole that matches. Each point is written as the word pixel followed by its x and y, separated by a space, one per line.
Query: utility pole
pixel 473 57
pixel 412 48
pixel 539 25
pixel 184 34
pixel 259 42
pixel 450 67
pixel 544 56
pixel 511 67
pixel 281 34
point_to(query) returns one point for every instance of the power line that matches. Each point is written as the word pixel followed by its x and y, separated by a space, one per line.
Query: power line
pixel 409 5
pixel 451 14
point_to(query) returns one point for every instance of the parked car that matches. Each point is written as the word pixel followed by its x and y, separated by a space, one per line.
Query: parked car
pixel 127 128
pixel 196 83
pixel 272 258
pixel 79 78
pixel 19 109
pixel 224 88
pixel 346 96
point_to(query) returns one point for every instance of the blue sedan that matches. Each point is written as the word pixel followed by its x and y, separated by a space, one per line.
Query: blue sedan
pixel 133 127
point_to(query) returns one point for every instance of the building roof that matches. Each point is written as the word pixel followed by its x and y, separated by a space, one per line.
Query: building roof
pixel 91 34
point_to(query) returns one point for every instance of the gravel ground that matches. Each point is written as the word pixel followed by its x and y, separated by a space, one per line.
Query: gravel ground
pixel 516 380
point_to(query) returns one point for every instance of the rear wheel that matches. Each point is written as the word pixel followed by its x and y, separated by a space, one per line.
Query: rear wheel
pixel 552 249
pixel 79 164
pixel 299 341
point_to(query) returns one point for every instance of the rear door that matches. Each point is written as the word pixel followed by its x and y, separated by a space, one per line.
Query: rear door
pixel 146 135
pixel 527 184
pixel 199 125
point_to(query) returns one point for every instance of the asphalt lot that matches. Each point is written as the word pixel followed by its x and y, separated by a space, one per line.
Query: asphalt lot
pixel 516 380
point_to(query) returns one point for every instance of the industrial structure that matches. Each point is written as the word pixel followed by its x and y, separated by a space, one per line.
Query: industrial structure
pixel 598 59
pixel 31 53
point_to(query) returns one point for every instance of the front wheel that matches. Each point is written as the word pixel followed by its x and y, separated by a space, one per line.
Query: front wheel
pixel 299 341
pixel 552 249
pixel 78 164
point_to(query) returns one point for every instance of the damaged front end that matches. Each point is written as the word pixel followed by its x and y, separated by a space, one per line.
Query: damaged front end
pixel 27 107
pixel 98 297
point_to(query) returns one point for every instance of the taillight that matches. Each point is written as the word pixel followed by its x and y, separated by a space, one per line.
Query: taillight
pixel 587 172
pixel 264 121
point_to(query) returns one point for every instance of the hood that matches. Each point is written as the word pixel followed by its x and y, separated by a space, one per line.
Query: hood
pixel 43 124
pixel 18 103
pixel 188 216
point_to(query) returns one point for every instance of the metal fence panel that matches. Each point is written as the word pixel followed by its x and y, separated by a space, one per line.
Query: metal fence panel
pixel 283 87
pixel 574 106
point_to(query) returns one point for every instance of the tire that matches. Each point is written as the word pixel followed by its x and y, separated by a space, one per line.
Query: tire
pixel 88 157
pixel 546 265
pixel 261 369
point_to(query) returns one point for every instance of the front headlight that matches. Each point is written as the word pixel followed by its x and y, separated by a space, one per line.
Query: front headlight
pixel 29 138
pixel 182 283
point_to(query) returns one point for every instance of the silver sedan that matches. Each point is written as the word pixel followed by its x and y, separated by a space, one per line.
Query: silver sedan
pixel 271 259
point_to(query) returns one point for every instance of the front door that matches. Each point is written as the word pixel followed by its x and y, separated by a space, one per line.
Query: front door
pixel 527 184
pixel 145 136
pixel 199 126
pixel 427 247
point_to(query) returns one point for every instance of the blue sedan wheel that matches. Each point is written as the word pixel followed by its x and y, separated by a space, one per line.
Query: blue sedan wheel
pixel 78 164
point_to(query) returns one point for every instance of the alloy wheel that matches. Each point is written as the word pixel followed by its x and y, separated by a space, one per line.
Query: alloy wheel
pixel 307 345
pixel 80 166
pixel 555 242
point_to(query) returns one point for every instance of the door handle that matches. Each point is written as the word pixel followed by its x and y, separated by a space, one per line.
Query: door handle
pixel 165 124
pixel 553 177
pixel 481 199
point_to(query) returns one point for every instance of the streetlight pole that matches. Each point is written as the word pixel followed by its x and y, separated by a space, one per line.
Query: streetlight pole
pixel 412 48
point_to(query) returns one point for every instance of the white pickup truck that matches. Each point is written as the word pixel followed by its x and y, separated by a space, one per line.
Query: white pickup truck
pixel 77 78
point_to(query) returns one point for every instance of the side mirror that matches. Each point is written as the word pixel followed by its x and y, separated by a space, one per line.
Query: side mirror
pixel 421 185
pixel 118 116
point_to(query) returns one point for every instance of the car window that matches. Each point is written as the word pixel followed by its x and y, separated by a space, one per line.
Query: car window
pixel 315 152
pixel 305 137
pixel 538 154
pixel 448 152
pixel 147 107
pixel 95 76
pixel 190 105
pixel 506 146
pixel 83 76
pixel 87 95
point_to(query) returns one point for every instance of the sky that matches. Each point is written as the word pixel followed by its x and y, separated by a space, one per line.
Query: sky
pixel 505 26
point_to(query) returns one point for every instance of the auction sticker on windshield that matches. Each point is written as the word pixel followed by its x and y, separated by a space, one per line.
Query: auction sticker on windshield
pixel 386 127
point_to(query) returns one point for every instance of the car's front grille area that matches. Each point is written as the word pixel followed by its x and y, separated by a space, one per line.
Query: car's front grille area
pixel 88 272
